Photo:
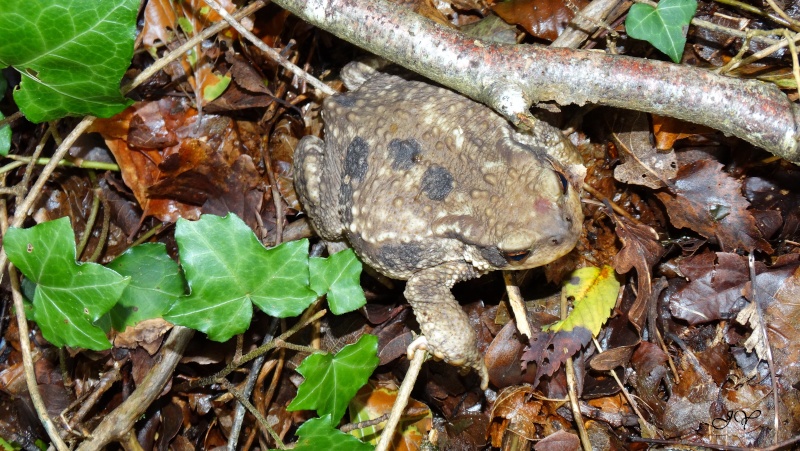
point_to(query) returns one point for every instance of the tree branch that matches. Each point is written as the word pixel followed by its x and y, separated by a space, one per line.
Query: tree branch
pixel 509 78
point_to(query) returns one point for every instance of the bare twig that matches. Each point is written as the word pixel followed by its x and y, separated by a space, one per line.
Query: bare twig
pixel 572 390
pixel 27 363
pixel 103 385
pixel 751 260
pixel 517 304
pixel 261 350
pixel 300 73
pixel 730 31
pixel 793 52
pixel 115 425
pixel 85 164
pixel 755 10
pixel 188 45
pixel 509 78
pixel 87 231
pixel 761 54
pixel 783 14
pixel 104 229
pixel 262 422
pixel 10 119
pixel 400 403
pixel 250 382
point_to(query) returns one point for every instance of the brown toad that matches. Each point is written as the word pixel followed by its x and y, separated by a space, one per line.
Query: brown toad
pixel 431 187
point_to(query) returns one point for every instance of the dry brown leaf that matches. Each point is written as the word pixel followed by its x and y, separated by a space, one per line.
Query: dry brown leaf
pixel 560 441
pixel 542 19
pixel 517 411
pixel 640 250
pixel 707 200
pixel 642 163
pixel 667 130
pixel 165 20
pixel 190 169
pixel 714 290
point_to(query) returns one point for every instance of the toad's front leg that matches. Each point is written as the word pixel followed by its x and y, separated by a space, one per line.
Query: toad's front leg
pixel 447 333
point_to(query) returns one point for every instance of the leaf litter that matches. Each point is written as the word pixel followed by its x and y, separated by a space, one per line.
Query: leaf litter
pixel 683 337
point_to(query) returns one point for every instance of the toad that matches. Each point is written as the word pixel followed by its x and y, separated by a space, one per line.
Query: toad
pixel 431 187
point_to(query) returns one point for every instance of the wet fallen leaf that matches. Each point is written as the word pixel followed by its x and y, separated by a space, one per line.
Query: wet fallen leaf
pixel 715 288
pixel 640 250
pixel 642 163
pixel 667 130
pixel 374 400
pixel 707 200
pixel 542 19
pixel 517 411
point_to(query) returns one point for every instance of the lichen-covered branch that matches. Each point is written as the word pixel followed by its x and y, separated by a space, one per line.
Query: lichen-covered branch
pixel 510 78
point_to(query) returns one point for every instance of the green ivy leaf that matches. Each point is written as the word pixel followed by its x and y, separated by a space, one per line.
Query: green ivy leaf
pixel 332 380
pixel 228 270
pixel 664 26
pixel 595 292
pixel 5 131
pixel 338 276
pixel 156 283
pixel 317 433
pixel 5 137
pixel 71 54
pixel 70 296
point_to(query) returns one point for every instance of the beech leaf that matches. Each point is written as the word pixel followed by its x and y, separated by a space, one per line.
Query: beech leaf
pixel 595 292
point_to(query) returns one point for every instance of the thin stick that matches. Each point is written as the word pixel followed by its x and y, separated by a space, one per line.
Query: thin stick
pixel 325 89
pixel 402 400
pixel 261 350
pixel 27 363
pixel 262 422
pixel 751 261
pixel 517 305
pixel 573 395
pixel 84 164
pixel 252 376
pixel 764 53
pixel 187 46
pixel 116 424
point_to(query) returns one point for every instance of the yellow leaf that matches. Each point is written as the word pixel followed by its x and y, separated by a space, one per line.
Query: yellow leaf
pixel 594 291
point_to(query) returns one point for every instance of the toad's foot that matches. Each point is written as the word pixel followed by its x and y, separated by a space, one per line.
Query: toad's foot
pixel 421 344
pixel 447 332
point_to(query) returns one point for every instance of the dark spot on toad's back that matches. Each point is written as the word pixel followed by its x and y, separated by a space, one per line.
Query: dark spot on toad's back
pixel 493 255
pixel 355 161
pixel 400 257
pixel 437 182
pixel 345 100
pixel 345 197
pixel 404 153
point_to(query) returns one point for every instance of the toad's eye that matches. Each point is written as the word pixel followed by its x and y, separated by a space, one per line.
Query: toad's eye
pixel 564 182
pixel 516 256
